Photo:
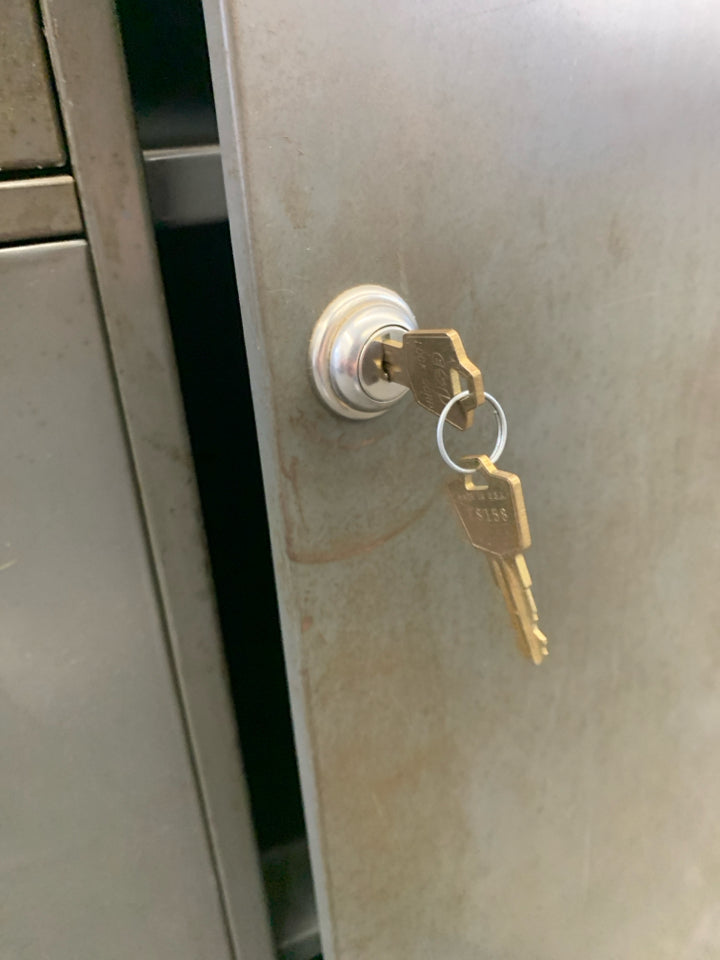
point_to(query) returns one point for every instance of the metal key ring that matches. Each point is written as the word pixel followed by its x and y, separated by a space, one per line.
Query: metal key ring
pixel 499 443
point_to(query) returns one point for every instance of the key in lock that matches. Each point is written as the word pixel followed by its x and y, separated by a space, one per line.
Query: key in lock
pixel 366 353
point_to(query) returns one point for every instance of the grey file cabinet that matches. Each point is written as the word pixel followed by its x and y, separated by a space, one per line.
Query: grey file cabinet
pixel 125 825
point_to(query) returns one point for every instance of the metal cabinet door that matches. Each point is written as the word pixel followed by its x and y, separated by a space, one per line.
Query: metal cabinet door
pixel 104 849
pixel 541 176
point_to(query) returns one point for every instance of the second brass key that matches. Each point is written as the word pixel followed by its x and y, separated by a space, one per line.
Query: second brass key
pixel 491 508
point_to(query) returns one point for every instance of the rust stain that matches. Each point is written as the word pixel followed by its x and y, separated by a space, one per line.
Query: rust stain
pixel 374 809
pixel 313 431
pixel 305 624
pixel 171 451
pixel 358 444
pixel 351 548
pixel 291 473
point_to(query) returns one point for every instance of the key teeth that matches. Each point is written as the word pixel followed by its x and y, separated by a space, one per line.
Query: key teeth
pixel 513 578
pixel 542 647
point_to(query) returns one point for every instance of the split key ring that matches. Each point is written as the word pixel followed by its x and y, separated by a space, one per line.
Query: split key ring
pixel 499 443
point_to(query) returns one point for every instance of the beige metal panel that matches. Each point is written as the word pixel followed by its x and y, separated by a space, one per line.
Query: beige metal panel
pixel 42 207
pixel 104 851
pixel 95 102
pixel 542 176
pixel 29 129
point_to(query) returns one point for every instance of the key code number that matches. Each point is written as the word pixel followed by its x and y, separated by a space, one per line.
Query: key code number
pixel 492 514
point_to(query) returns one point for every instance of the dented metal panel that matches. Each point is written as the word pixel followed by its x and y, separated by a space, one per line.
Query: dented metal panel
pixel 542 177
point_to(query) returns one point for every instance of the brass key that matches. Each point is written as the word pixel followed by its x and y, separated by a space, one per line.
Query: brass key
pixel 434 365
pixel 491 508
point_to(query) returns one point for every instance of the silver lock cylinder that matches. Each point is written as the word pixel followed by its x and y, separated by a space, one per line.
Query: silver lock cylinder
pixel 346 350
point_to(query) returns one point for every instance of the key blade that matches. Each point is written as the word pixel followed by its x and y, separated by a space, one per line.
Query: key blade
pixel 540 646
pixel 392 362
pixel 524 575
pixel 500 577
pixel 518 578
pixel 437 369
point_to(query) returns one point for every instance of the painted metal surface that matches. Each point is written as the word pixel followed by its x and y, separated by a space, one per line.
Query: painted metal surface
pixel 42 207
pixel 89 71
pixel 541 176
pixel 29 129
pixel 103 850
